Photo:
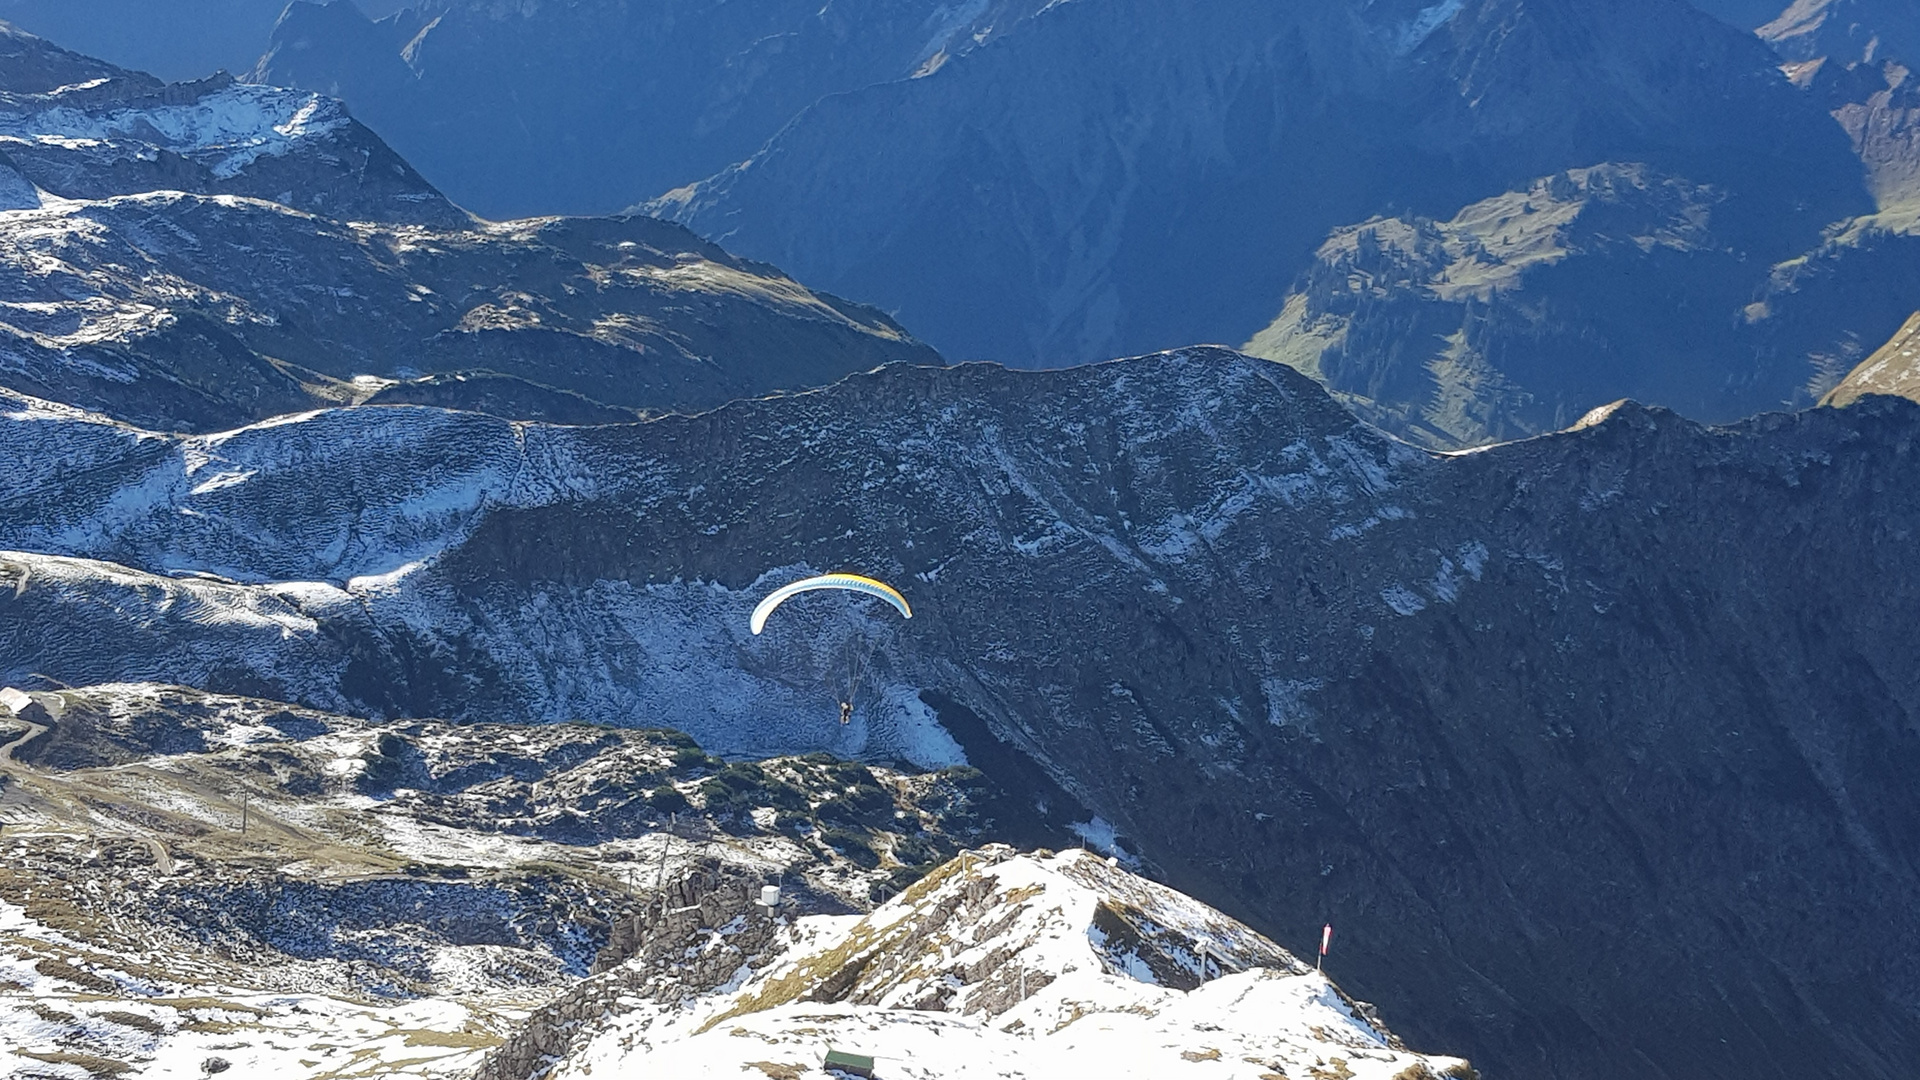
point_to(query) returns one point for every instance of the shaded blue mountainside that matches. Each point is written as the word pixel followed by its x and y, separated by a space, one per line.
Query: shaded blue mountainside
pixel 1600 743
pixel 1042 184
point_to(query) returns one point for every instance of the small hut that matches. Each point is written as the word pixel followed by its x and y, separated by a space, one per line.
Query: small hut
pixel 850 1064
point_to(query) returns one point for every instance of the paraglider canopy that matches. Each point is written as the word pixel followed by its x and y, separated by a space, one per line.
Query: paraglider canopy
pixel 845 582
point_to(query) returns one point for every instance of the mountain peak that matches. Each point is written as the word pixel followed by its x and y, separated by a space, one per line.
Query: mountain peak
pixel 1040 965
pixel 33 65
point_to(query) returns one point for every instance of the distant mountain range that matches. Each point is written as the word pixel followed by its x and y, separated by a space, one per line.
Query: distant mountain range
pixel 1163 181
pixel 594 105
pixel 1068 183
pixel 201 255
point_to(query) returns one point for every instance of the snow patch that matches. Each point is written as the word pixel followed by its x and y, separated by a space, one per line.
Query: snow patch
pixel 1287 706
pixel 1045 968
pixel 1402 600
pixel 227 130
pixel 1421 27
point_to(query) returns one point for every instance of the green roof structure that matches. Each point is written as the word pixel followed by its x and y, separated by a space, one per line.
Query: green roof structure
pixel 851 1064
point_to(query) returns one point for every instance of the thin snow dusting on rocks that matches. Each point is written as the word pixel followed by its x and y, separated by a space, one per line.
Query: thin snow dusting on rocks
pixel 1008 965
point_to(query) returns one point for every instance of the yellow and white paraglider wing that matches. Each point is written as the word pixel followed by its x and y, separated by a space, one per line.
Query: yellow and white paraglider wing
pixel 846 582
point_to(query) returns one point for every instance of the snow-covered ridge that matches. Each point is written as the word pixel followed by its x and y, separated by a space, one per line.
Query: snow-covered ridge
pixel 370 522
pixel 226 129
pixel 1017 966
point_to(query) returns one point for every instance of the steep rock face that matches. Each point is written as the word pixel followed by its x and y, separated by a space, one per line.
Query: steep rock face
pixel 1855 59
pixel 1120 158
pixel 1590 724
pixel 30 65
pixel 1874 103
pixel 540 108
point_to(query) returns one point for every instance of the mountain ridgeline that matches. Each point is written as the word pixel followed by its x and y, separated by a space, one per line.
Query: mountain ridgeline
pixel 1044 184
pixel 201 255
pixel 589 107
pixel 1574 734
pixel 1237 136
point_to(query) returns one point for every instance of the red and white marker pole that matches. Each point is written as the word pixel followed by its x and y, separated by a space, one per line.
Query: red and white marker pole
pixel 1326 939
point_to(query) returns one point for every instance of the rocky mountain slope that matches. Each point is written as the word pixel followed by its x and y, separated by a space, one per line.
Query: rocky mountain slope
pixel 1893 370
pixel 1585 723
pixel 1520 312
pixel 193 879
pixel 202 255
pixel 1183 170
pixel 1022 966
pixel 541 108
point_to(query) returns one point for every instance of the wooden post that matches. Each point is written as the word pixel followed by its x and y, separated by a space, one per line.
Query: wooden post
pixel 666 842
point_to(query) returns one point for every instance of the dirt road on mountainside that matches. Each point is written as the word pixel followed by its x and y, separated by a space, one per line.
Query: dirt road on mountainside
pixel 162 859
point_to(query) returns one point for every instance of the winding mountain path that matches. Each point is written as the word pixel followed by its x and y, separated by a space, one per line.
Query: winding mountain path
pixel 162 859
pixel 33 732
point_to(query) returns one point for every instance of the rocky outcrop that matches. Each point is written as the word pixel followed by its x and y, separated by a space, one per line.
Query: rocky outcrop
pixel 1844 31
pixel 1038 965
pixel 1893 369
pixel 693 936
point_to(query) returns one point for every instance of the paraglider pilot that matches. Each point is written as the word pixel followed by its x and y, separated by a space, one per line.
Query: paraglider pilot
pixel 849 582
